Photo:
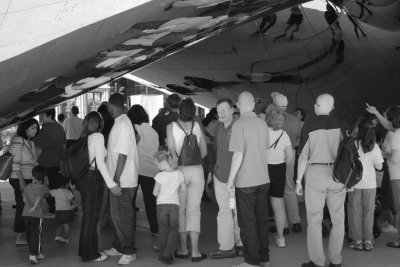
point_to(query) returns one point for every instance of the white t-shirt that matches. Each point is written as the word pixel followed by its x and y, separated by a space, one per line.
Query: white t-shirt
pixel 63 198
pixel 179 135
pixel 122 141
pixel 369 160
pixel 73 128
pixel 169 185
pixel 276 154
pixel 394 143
pixel 97 149
pixel 147 146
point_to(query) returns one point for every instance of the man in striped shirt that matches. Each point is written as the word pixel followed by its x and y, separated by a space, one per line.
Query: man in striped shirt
pixel 321 138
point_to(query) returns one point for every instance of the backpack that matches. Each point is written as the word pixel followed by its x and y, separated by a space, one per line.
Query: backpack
pixel 348 168
pixel 190 152
pixel 75 162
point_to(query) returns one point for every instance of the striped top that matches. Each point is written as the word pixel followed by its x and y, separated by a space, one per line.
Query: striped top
pixel 24 157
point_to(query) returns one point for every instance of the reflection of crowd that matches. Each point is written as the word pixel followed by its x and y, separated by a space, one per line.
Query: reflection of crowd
pixel 253 172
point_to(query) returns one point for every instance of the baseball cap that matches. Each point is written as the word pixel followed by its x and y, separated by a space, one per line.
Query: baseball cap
pixel 279 100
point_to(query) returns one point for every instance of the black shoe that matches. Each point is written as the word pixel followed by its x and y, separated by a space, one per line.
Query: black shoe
pixel 198 259
pixel 181 256
pixel 335 265
pixel 222 254
pixel 297 228
pixel 166 259
pixel 310 264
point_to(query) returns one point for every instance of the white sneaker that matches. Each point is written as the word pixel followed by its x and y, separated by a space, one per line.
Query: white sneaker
pixel 33 259
pixel 280 242
pixel 112 252
pixel 62 239
pixel 127 259
pixel 102 257
pixel 40 256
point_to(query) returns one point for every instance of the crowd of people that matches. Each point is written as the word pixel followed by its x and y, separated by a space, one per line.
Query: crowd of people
pixel 259 162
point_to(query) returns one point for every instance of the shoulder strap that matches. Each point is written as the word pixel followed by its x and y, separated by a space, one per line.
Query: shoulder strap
pixel 180 126
pixel 276 142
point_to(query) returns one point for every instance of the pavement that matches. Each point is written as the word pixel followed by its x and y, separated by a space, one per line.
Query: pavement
pixel 62 255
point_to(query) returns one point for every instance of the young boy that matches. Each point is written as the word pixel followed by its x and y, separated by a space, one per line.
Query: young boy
pixel 33 212
pixel 168 182
pixel 64 210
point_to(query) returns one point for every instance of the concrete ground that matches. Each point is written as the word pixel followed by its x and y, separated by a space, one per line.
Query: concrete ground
pixel 59 255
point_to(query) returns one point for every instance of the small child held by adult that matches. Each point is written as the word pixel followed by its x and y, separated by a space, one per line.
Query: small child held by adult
pixel 64 210
pixel 168 182
pixel 33 212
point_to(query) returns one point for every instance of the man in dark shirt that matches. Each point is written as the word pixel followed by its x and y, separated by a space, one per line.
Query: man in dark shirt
pixel 321 142
pixel 51 145
pixel 165 117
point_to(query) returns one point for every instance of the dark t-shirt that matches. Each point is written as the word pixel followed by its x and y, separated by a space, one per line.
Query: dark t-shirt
pixel 160 123
pixel 51 139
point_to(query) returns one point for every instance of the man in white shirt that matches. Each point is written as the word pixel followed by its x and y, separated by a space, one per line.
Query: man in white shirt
pixel 122 163
pixel 73 126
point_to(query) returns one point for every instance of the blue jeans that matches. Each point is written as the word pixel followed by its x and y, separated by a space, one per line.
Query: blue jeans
pixel 252 209
pixel 168 225
pixel 124 219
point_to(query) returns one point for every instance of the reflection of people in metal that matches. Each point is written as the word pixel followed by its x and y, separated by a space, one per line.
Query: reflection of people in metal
pixel 295 19
pixel 362 6
pixel 268 21
pixel 331 18
pixel 356 25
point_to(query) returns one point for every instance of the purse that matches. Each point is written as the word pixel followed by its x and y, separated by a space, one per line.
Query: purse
pixel 5 166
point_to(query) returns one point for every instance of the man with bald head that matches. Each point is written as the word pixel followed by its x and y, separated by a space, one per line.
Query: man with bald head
pixel 249 176
pixel 320 139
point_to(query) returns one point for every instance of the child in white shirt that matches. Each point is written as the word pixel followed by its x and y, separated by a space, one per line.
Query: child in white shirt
pixel 168 182
pixel 64 214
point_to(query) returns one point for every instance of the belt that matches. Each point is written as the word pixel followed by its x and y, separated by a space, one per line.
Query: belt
pixel 325 164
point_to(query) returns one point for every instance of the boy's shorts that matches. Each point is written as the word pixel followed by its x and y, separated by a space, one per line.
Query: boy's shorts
pixel 64 216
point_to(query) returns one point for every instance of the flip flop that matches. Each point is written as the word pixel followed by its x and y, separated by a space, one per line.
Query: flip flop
pixel 393 244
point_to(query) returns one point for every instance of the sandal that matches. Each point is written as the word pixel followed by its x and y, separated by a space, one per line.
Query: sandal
pixel 393 244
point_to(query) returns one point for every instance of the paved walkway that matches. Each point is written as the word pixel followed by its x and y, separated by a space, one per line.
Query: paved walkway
pixel 61 255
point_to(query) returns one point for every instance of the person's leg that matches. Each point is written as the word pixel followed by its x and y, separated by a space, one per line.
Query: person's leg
pixel 19 227
pixel 183 249
pixel 193 202
pixel 225 223
pixel 368 208
pixel 315 196
pixel 261 209
pixel 173 226
pixel 147 184
pixel 162 218
pixel 335 202
pixel 59 230
pixel 123 215
pixel 105 219
pixel 355 215
pixel 290 197
pixel 34 225
pixel 66 230
pixel 278 205
pixel 396 203
pixel 246 204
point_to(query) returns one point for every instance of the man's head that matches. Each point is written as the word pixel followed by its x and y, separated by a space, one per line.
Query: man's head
pixel 245 102
pixel 324 104
pixel 61 117
pixel 173 101
pixel 48 115
pixel 116 105
pixel 300 113
pixel 75 110
pixel 225 110
pixel 279 100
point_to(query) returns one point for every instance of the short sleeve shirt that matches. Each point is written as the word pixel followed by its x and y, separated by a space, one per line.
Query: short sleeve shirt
pixel 147 146
pixel 63 198
pixel 276 153
pixel 250 136
pixel 169 185
pixel 51 139
pixel 122 141
pixel 369 160
pixel 30 194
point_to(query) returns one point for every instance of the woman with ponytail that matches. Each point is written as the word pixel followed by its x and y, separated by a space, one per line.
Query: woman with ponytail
pixel 362 199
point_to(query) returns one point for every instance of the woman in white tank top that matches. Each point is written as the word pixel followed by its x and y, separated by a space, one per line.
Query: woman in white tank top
pixel 189 204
